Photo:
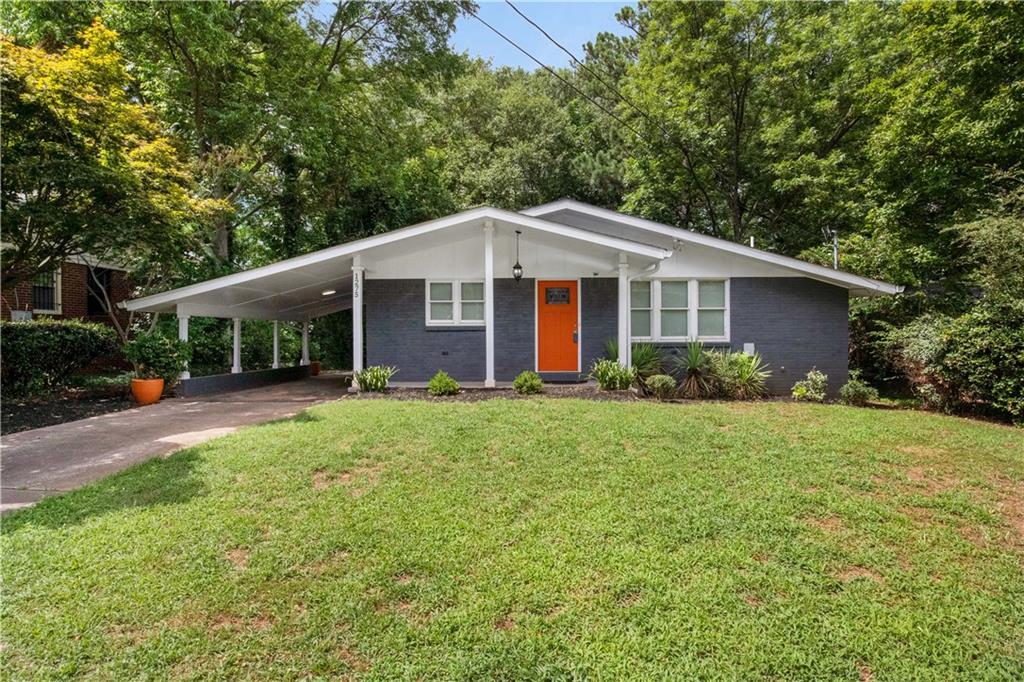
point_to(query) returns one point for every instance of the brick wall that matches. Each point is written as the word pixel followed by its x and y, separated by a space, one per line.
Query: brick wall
pixel 74 279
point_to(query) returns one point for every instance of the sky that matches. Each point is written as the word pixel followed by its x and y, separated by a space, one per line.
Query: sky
pixel 570 23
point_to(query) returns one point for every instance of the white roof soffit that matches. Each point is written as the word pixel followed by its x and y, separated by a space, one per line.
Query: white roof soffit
pixel 166 300
pixel 861 286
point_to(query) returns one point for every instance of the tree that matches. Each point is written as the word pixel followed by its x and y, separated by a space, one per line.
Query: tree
pixel 86 168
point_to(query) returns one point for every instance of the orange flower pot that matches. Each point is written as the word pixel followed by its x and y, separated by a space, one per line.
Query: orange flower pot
pixel 147 391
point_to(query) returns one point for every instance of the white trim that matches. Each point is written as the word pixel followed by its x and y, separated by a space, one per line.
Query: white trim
pixel 456 302
pixel 846 279
pixel 183 336
pixel 536 324
pixel 57 298
pixel 488 303
pixel 350 248
pixel 87 260
pixel 236 346
pixel 305 344
pixel 277 345
pixel 692 311
pixel 623 309
pixel 358 284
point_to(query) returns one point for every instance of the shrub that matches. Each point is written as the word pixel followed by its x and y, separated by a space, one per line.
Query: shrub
pixel 644 357
pixel 442 384
pixel 980 364
pixel 528 383
pixel 693 368
pixel 811 389
pixel 856 391
pixel 736 376
pixel 661 386
pixel 375 378
pixel 155 356
pixel 42 354
pixel 611 376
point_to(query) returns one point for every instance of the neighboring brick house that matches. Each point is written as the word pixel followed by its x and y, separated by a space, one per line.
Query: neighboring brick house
pixel 65 294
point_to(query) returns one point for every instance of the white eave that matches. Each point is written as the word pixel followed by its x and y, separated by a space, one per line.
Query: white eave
pixel 192 296
pixel 857 284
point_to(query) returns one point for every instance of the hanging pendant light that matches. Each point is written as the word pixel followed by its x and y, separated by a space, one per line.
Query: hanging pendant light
pixel 517 269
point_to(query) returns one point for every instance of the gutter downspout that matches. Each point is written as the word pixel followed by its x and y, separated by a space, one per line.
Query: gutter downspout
pixel 649 271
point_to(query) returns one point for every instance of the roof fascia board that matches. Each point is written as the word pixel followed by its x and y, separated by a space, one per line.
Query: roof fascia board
pixel 816 271
pixel 351 248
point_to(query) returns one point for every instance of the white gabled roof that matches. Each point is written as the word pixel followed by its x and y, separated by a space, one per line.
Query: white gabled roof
pixel 847 280
pixel 291 288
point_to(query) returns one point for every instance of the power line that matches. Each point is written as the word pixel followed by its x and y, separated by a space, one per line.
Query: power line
pixel 556 75
pixel 686 151
pixel 586 68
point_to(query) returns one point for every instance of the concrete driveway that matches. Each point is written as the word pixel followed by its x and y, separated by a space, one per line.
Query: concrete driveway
pixel 55 459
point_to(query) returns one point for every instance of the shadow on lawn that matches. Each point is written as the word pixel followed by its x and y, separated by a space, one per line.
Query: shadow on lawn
pixel 149 484
pixel 159 481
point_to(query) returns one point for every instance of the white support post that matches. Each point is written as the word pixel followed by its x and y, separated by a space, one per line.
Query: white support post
pixel 277 345
pixel 489 302
pixel 236 349
pixel 183 336
pixel 305 343
pixel 623 311
pixel 358 279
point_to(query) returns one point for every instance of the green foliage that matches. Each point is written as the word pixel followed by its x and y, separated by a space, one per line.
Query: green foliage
pixel 980 365
pixel 375 378
pixel 528 383
pixel 86 166
pixel 812 389
pixel 611 376
pixel 442 384
pixel 661 386
pixel 856 391
pixel 735 376
pixel 473 523
pixel 693 367
pixel 644 357
pixel 41 355
pixel 156 356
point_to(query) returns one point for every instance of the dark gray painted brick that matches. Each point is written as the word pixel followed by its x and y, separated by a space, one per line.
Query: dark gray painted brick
pixel 600 317
pixel 795 323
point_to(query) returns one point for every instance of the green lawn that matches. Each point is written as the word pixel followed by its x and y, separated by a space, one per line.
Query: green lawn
pixel 537 539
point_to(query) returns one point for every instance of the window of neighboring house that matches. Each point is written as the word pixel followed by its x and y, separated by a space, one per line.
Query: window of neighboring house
pixel 640 305
pixel 98 291
pixel 455 302
pixel 46 293
pixel 679 310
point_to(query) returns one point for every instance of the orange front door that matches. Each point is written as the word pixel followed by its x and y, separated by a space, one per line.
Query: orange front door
pixel 558 326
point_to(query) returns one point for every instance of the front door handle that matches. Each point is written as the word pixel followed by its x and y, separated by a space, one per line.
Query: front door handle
pixel 575 336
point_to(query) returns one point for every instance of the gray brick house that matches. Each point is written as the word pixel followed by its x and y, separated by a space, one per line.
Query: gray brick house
pixel 487 293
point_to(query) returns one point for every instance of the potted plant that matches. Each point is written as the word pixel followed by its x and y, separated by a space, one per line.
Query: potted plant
pixel 158 361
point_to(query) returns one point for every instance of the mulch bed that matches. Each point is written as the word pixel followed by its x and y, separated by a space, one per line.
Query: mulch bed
pixel 472 395
pixel 66 407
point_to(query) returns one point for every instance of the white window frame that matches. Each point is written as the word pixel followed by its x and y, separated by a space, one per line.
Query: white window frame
pixel 652 309
pixel 456 320
pixel 692 311
pixel 695 306
pixel 56 296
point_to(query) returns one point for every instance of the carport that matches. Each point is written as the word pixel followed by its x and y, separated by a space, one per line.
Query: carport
pixel 295 290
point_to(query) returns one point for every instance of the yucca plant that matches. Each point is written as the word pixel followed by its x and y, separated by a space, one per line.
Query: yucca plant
pixel 645 360
pixel 692 367
pixel 749 375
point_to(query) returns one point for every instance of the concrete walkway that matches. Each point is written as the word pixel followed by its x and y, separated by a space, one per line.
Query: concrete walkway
pixel 55 459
